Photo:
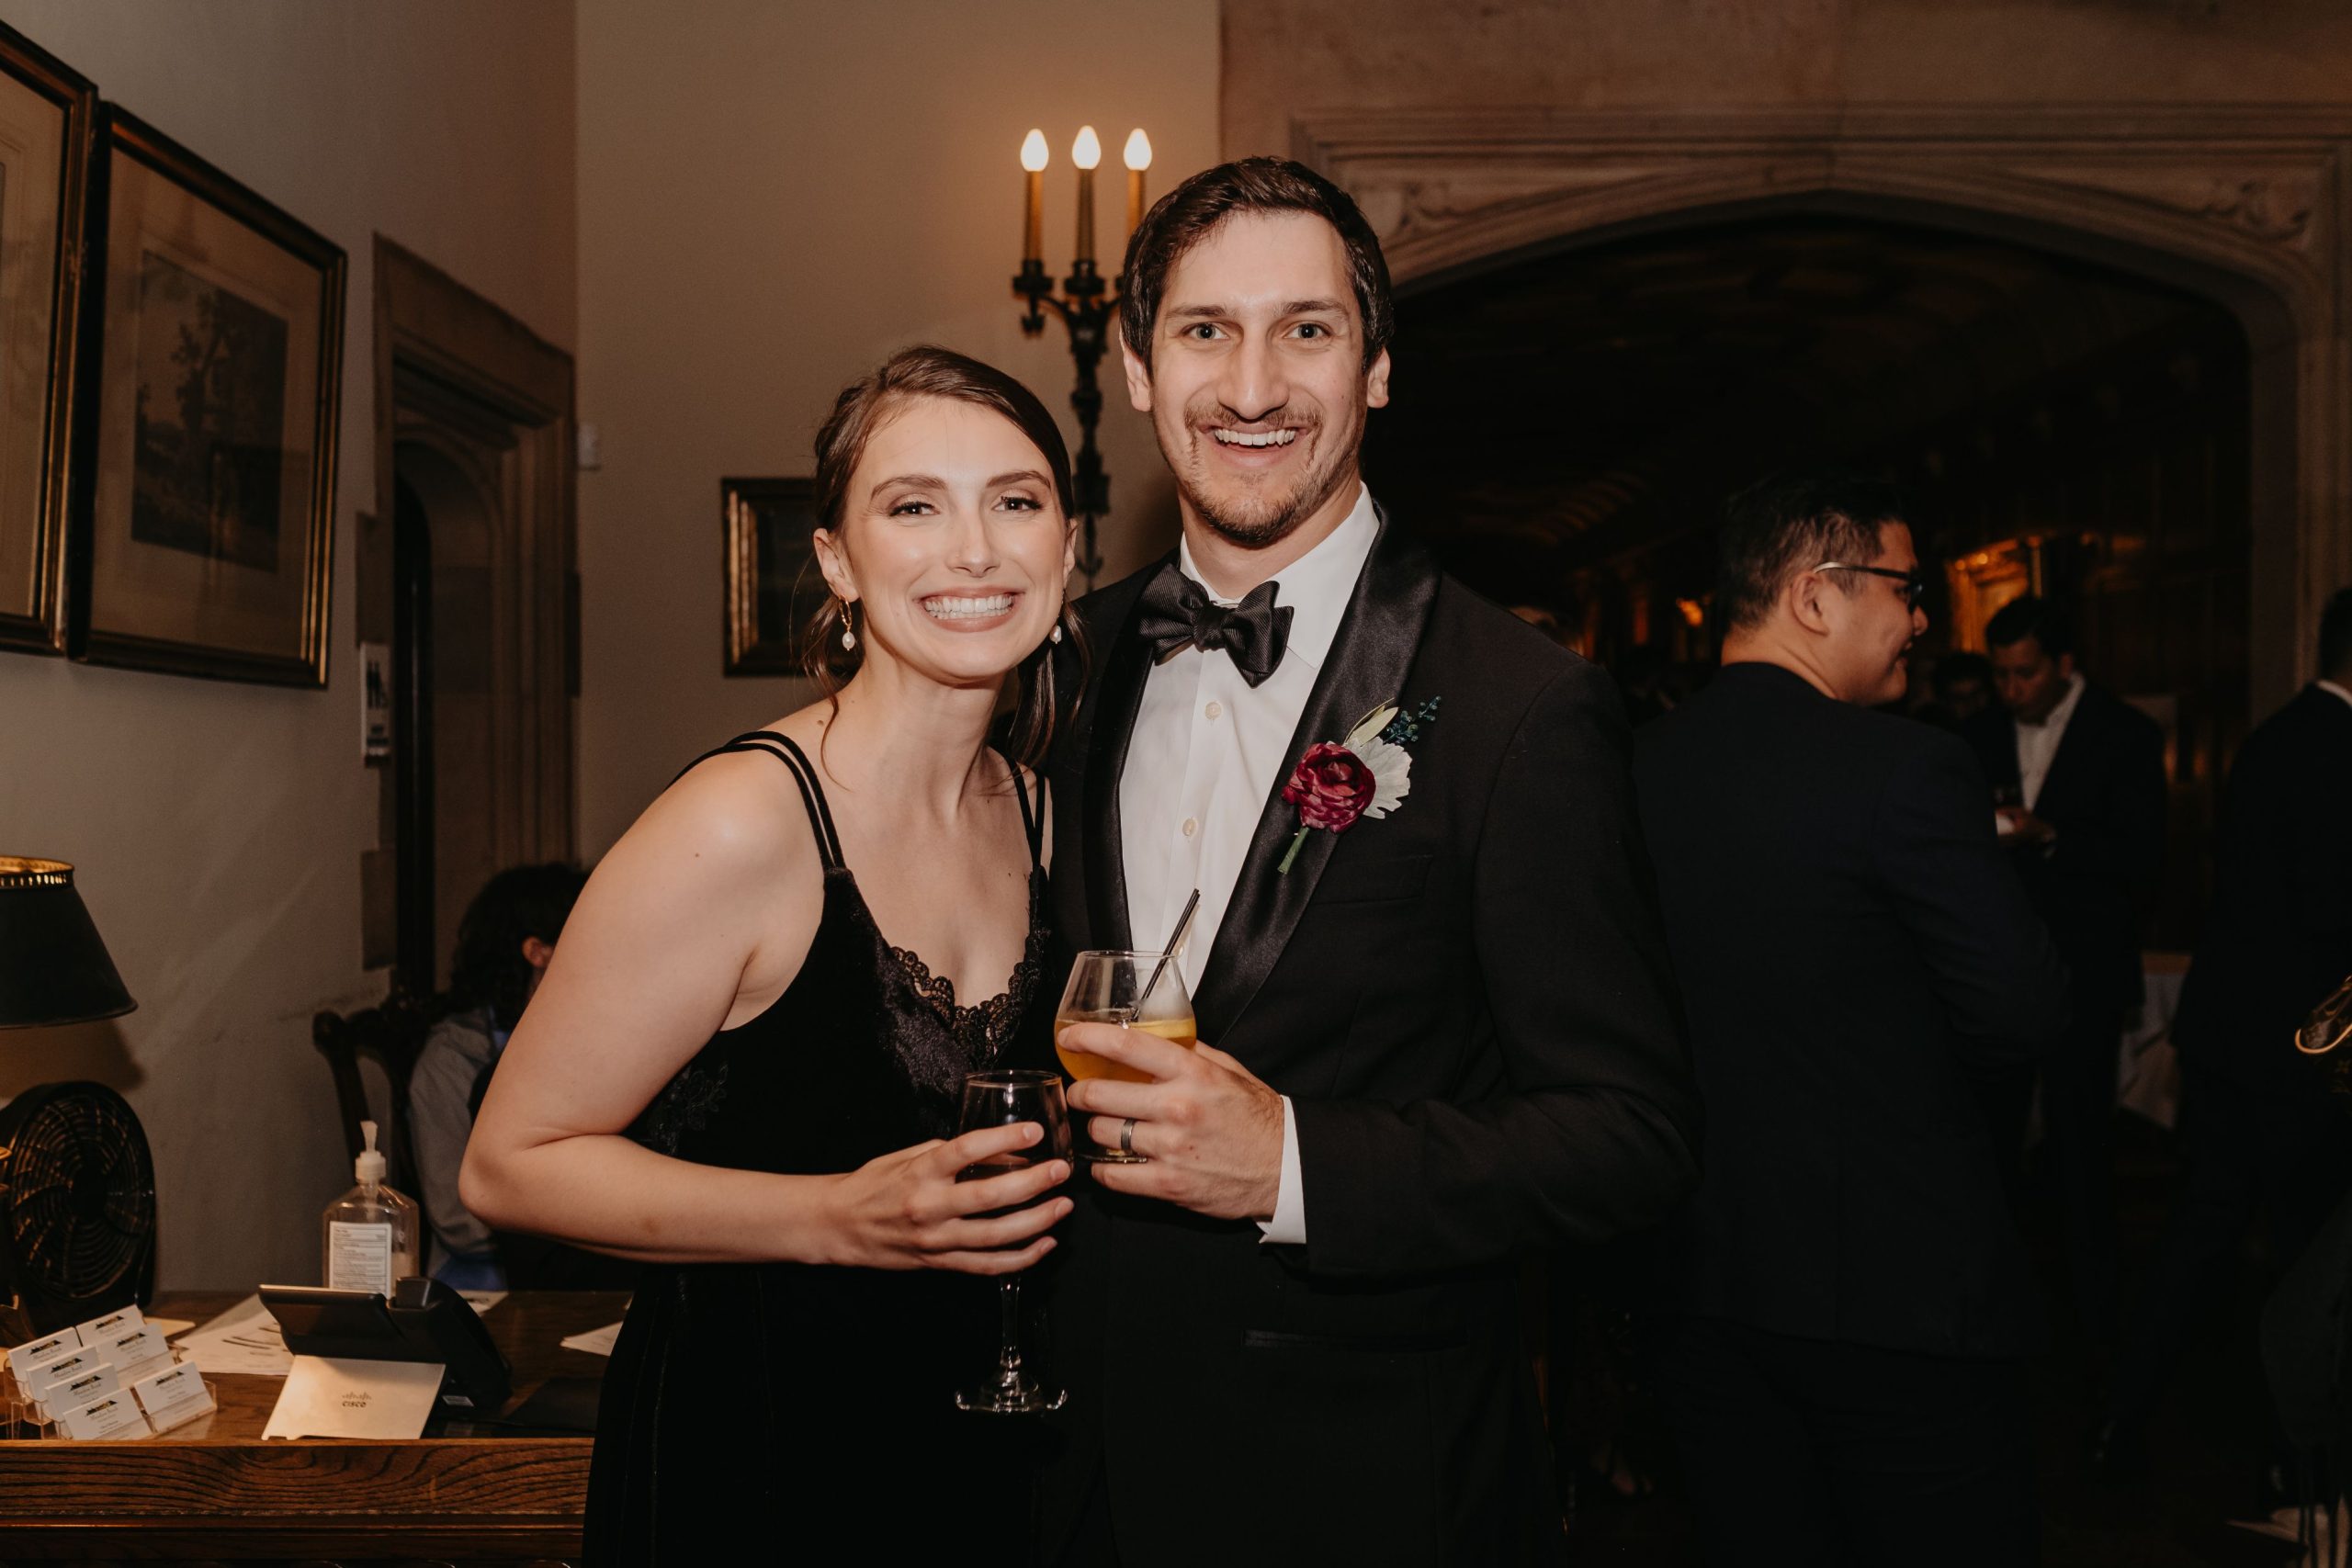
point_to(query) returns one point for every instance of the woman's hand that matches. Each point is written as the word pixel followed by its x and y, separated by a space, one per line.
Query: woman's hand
pixel 907 1209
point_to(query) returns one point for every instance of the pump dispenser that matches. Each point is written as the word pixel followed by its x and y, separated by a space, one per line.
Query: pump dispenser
pixel 368 1234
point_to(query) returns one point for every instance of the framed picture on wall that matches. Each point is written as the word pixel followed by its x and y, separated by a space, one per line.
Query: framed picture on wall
pixel 214 322
pixel 773 585
pixel 46 112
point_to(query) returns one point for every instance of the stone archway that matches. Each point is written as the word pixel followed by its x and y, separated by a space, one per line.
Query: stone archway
pixel 2248 208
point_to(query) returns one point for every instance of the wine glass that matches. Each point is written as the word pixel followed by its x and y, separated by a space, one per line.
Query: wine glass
pixel 1004 1099
pixel 1118 987
pixel 2327 1034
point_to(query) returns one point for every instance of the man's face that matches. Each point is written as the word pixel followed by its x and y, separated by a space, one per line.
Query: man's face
pixel 1258 387
pixel 1874 624
pixel 2031 681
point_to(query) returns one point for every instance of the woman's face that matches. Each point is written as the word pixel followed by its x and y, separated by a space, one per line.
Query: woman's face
pixel 951 544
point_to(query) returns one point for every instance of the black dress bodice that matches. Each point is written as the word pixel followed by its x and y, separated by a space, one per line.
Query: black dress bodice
pixel 782 1402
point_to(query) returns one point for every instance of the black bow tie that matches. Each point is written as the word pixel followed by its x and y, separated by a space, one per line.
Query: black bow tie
pixel 1178 613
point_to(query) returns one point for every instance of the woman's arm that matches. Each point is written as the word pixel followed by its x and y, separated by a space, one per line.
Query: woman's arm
pixel 700 916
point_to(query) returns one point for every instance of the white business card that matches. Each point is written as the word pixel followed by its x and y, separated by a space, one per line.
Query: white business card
pixel 76 1391
pixel 46 1376
pixel 98 1330
pixel 113 1416
pixel 26 1357
pixel 132 1348
pixel 173 1396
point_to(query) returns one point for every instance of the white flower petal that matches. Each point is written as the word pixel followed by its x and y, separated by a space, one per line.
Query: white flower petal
pixel 1392 775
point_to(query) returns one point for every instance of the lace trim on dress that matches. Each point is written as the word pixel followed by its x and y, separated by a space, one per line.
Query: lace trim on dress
pixel 982 1027
pixel 685 1105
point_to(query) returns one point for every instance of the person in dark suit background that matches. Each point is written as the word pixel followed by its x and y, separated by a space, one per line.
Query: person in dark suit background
pixel 2079 778
pixel 2261 1132
pixel 1844 1367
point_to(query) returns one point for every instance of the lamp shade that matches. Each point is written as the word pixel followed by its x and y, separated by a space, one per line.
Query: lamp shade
pixel 53 968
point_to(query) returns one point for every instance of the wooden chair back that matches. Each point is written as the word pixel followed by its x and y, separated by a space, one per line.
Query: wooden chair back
pixel 393 1033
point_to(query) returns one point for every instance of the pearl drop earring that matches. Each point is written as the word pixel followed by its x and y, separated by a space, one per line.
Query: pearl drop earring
pixel 849 636
pixel 1055 635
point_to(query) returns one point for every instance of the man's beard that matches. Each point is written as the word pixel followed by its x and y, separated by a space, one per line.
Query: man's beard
pixel 1255 520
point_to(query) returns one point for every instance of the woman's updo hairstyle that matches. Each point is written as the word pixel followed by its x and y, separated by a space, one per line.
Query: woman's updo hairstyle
pixel 864 406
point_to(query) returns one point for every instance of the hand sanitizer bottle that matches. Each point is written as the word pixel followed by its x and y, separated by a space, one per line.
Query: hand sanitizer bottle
pixel 368 1234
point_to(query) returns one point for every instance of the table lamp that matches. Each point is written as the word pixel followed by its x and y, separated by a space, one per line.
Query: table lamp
pixel 53 968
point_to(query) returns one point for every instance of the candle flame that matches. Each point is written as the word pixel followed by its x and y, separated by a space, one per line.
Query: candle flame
pixel 1138 154
pixel 1087 151
pixel 1033 151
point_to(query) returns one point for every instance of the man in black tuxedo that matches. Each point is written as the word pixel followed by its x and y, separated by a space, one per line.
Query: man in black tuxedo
pixel 1438 1030
pixel 1845 1368
pixel 2079 774
pixel 2262 1133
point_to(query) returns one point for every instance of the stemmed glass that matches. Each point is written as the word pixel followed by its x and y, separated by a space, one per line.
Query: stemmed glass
pixel 1003 1099
pixel 2327 1034
pixel 1119 987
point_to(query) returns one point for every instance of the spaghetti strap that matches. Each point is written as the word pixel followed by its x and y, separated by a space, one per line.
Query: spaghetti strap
pixel 1032 817
pixel 784 749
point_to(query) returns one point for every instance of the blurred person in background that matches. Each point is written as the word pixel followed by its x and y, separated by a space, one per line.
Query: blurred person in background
pixel 2262 1133
pixel 505 942
pixel 2078 785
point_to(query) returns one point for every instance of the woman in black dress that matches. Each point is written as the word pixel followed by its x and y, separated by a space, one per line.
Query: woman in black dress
pixel 744 1065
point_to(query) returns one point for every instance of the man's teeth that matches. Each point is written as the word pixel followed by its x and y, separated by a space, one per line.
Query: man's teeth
pixel 953 609
pixel 1255 438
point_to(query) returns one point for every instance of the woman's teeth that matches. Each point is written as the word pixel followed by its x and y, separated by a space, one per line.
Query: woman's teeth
pixel 1254 438
pixel 946 609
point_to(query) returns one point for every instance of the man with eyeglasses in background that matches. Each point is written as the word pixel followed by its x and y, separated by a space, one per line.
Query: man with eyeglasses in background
pixel 1851 1310
pixel 2078 783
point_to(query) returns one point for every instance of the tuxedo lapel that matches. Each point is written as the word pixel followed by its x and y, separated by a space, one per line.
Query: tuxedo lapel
pixel 1366 667
pixel 1126 665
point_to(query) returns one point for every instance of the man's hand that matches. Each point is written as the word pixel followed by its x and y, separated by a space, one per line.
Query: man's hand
pixel 2025 828
pixel 1212 1131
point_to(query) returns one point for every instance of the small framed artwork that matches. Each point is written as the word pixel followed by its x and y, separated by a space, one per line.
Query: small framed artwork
pixel 46 113
pixel 215 321
pixel 774 588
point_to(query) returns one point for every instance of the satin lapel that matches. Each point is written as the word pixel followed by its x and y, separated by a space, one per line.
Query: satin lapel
pixel 1127 664
pixel 1366 667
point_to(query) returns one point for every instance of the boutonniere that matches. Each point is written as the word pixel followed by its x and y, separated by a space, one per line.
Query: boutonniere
pixel 1337 782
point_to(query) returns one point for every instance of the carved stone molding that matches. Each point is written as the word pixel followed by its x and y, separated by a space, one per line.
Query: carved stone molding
pixel 2250 206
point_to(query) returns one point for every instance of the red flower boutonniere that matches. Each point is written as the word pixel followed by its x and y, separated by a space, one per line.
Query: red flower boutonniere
pixel 1338 782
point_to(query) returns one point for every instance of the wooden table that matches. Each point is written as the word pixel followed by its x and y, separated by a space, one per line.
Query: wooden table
pixel 212 1491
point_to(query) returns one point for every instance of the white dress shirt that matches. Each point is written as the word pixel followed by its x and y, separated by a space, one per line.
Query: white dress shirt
pixel 2338 691
pixel 2037 743
pixel 1206 751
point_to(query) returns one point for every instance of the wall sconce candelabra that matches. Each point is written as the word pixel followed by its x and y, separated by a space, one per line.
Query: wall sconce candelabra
pixel 1086 302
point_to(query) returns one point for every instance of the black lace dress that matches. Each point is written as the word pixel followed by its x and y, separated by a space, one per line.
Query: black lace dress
pixel 763 1412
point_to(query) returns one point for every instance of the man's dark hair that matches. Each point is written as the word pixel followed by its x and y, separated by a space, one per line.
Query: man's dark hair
pixel 2335 637
pixel 1187 215
pixel 2030 616
pixel 488 968
pixel 1792 523
pixel 1961 666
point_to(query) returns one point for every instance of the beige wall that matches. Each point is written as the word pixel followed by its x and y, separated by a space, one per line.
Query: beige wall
pixel 1283 56
pixel 218 827
pixel 774 196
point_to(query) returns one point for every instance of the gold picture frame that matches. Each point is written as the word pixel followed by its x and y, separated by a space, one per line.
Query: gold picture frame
pixel 772 582
pixel 212 323
pixel 47 111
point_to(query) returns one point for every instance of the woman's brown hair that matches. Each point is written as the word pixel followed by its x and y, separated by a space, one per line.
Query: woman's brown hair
pixel 863 408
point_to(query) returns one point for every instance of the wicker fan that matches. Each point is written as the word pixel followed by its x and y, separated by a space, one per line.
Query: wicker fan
pixel 77 1204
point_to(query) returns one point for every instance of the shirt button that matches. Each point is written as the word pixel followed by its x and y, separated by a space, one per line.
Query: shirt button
pixel 1190 827
pixel 1214 710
